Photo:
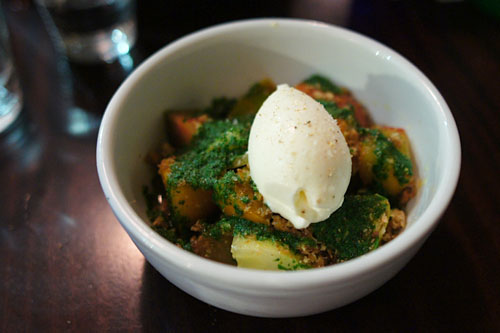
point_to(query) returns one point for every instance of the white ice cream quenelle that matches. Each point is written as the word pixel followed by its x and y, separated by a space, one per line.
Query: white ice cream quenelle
pixel 298 157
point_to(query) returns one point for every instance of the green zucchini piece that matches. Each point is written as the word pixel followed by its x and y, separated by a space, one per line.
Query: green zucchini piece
pixel 265 254
pixel 260 246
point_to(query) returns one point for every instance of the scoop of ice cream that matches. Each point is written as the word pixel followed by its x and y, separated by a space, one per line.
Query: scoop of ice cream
pixel 298 157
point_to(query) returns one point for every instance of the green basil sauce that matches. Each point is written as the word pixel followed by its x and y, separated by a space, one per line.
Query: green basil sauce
pixel 220 107
pixel 224 190
pixel 337 112
pixel 213 149
pixel 323 83
pixel 349 230
pixel 386 155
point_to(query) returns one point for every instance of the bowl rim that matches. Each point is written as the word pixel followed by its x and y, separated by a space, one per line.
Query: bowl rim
pixel 214 273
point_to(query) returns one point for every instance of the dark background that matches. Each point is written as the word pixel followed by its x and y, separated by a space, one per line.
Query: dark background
pixel 66 263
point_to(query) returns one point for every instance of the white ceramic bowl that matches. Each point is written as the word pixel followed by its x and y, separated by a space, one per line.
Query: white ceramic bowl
pixel 225 60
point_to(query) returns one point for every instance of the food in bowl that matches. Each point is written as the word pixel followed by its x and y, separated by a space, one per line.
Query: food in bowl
pixel 281 179
pixel 191 71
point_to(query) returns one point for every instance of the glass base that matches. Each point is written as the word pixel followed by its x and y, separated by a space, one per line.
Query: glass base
pixel 10 107
pixel 102 45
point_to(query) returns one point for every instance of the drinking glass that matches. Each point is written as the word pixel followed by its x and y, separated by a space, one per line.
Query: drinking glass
pixel 94 30
pixel 10 92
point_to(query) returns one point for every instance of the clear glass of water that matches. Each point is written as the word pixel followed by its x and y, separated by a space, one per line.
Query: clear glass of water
pixel 94 30
pixel 10 91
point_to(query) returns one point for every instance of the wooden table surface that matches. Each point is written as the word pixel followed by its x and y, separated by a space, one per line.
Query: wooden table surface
pixel 66 263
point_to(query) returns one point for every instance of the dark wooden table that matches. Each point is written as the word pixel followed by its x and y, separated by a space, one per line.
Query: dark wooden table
pixel 66 263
